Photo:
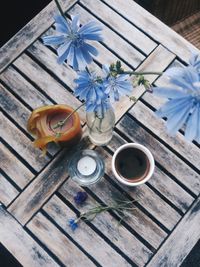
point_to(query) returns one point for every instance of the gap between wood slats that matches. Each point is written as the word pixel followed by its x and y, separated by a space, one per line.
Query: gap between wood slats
pixel 14 168
pixel 18 115
pixel 18 156
pixel 169 191
pixel 120 26
pixel 20 244
pixel 129 230
pixel 162 154
pixel 148 200
pixel 186 234
pixel 156 126
pixel 21 144
pixel 153 27
pixel 110 38
pixel 7 191
pixel 103 224
pixel 108 252
pixel 86 236
pixel 148 230
pixel 30 32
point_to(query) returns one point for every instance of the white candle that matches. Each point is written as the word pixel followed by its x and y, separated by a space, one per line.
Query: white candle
pixel 86 165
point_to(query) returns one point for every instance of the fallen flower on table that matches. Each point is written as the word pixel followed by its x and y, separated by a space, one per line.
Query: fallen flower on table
pixel 80 197
pixel 89 215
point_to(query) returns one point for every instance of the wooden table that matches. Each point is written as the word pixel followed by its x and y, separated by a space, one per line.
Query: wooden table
pixel 36 192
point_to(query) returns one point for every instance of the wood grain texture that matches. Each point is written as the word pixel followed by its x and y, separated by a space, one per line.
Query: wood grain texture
pixel 21 144
pixel 136 219
pixel 158 60
pixel 181 241
pixel 120 25
pixel 7 191
pixel 86 237
pixel 161 182
pixel 153 27
pixel 112 40
pixel 14 168
pixel 145 196
pixel 57 242
pixel 20 244
pixel 166 158
pixel 45 184
pixel 147 117
pixel 14 108
pixel 23 89
pixel 30 32
pixel 47 83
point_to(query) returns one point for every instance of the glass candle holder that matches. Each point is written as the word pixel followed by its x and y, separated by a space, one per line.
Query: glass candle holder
pixel 86 167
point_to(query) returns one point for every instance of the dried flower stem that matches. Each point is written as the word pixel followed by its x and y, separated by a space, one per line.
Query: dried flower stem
pixel 96 210
pixel 142 73
pixel 62 122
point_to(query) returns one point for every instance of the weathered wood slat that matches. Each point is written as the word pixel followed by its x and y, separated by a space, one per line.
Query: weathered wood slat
pixel 22 145
pixel 63 71
pixel 45 184
pixel 7 191
pixel 148 118
pixel 157 61
pixel 19 113
pixel 14 168
pixel 153 27
pixel 30 32
pixel 20 244
pixel 136 219
pixel 23 89
pixel 161 153
pixel 47 83
pixel 127 52
pixel 57 242
pixel 122 26
pixel 145 196
pixel 86 237
pixel 161 182
pixel 181 241
pixel 14 108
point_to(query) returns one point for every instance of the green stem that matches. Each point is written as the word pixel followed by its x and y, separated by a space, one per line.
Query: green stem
pixel 142 73
pixel 61 123
pixel 59 8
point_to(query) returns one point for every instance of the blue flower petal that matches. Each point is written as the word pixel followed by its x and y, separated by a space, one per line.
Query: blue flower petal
pixel 169 92
pixel 61 24
pixel 72 44
pixel 73 224
pixel 53 40
pixel 175 122
pixel 173 106
pixel 193 124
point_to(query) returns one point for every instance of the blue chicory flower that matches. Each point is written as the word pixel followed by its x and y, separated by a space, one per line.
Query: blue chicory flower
pixel 183 106
pixel 90 89
pixel 71 41
pixel 73 224
pixel 195 61
pixel 80 197
pixel 116 86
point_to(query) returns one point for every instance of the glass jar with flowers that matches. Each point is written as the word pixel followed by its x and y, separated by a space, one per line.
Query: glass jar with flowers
pixel 73 44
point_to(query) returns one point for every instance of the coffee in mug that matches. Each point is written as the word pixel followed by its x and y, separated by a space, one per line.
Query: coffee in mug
pixel 133 164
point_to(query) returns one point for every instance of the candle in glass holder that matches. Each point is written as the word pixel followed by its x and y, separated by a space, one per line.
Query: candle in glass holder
pixel 86 167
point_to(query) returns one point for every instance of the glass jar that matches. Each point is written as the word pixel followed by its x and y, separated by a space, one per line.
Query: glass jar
pixel 100 129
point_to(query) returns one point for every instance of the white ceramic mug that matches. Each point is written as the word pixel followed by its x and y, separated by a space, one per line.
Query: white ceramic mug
pixel 144 158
